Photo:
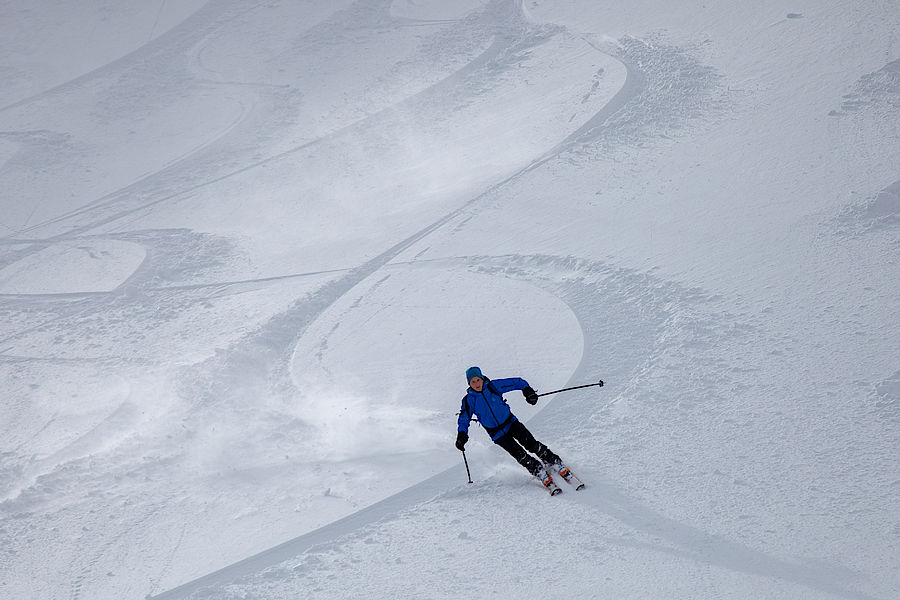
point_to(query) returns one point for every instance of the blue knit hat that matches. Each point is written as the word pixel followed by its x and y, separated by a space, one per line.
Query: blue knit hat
pixel 473 372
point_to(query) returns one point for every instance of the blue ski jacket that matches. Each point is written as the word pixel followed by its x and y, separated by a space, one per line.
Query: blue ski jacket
pixel 489 406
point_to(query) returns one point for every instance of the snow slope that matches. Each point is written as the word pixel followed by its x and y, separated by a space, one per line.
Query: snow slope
pixel 249 249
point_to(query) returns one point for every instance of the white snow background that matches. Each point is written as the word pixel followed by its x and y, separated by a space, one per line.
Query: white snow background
pixel 249 249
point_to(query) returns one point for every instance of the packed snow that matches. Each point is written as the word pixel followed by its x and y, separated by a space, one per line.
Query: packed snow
pixel 248 250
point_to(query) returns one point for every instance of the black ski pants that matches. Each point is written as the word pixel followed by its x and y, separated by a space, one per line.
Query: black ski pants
pixel 517 440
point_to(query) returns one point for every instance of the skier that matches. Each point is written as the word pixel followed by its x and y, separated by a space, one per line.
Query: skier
pixel 484 399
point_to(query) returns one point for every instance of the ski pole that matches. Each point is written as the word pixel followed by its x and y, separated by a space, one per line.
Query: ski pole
pixel 467 466
pixel 577 387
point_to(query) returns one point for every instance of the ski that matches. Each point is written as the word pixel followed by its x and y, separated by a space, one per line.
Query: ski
pixel 569 477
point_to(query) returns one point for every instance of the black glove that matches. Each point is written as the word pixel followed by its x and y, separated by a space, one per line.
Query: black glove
pixel 530 395
pixel 461 438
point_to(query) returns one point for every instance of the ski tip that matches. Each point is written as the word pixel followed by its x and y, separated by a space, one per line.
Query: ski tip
pixel 580 487
pixel 556 492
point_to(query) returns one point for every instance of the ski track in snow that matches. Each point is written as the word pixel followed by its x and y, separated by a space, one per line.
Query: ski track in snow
pixel 584 287
pixel 151 285
pixel 657 313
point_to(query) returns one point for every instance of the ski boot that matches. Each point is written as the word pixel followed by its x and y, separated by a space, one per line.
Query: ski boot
pixel 569 477
pixel 547 480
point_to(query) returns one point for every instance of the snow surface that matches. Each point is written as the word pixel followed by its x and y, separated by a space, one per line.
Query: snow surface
pixel 249 249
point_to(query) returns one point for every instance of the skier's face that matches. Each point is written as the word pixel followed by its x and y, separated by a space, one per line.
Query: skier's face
pixel 476 383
